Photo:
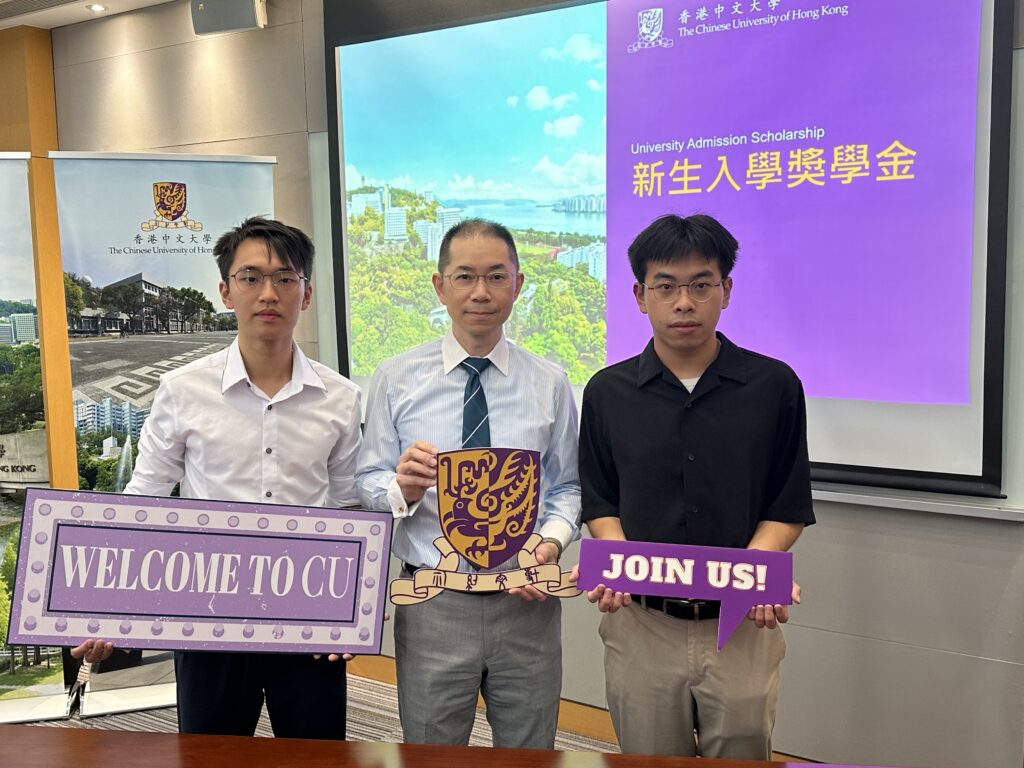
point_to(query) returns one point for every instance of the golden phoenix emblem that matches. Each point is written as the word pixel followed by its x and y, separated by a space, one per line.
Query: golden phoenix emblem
pixel 488 499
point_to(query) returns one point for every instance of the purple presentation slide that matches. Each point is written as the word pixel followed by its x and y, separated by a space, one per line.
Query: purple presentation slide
pixel 837 142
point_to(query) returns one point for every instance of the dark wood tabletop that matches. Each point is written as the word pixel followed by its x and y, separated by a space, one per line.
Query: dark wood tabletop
pixel 22 745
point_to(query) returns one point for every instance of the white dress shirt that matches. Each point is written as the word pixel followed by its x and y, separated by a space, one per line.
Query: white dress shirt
pixel 217 433
pixel 418 396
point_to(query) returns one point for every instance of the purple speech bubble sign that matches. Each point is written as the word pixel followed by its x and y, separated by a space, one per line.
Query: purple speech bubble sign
pixel 739 578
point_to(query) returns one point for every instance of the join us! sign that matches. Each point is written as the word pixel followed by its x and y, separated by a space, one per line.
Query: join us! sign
pixel 188 574
pixel 739 578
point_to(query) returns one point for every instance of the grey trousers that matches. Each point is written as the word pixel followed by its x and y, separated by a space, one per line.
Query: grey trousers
pixel 509 650
pixel 665 679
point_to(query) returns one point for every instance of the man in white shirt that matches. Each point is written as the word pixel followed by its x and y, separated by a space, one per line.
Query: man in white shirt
pixel 257 421
pixel 504 645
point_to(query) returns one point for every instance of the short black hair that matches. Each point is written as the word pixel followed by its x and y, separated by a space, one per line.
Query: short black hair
pixel 291 244
pixel 475 228
pixel 672 237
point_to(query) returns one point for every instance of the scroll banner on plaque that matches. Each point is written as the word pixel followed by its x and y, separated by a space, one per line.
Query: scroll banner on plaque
pixel 488 502
pixel 187 574
pixel 739 578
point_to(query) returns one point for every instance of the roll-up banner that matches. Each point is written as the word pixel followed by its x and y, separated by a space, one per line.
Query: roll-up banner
pixel 137 233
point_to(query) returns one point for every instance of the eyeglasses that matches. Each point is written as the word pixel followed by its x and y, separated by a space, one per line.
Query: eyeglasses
pixel 465 281
pixel 668 290
pixel 250 280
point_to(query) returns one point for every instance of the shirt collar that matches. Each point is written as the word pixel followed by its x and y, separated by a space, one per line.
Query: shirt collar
pixel 729 364
pixel 303 374
pixel 452 353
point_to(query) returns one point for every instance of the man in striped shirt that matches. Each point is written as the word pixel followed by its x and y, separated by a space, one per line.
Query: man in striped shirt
pixel 503 645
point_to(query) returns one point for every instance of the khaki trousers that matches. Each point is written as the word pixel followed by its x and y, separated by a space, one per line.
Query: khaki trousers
pixel 665 680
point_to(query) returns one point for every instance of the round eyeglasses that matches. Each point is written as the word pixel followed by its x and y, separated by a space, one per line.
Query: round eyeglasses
pixel 668 290
pixel 465 281
pixel 250 280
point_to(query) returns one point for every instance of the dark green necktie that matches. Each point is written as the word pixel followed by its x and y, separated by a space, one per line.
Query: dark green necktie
pixel 476 431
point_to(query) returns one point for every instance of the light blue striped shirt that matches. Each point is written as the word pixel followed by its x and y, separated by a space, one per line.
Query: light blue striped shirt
pixel 418 396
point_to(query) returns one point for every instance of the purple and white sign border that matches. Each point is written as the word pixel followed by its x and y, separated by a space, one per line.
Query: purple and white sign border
pixel 47 508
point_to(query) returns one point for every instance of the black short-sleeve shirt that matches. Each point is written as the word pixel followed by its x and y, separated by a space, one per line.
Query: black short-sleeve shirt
pixel 696 468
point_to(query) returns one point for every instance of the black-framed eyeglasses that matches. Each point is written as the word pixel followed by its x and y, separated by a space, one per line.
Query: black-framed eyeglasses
pixel 465 281
pixel 668 290
pixel 250 280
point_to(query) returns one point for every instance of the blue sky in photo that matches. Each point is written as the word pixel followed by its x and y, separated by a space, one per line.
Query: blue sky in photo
pixel 513 108
pixel 17 275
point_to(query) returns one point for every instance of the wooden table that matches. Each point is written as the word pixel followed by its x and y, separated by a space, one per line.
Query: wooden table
pixel 22 745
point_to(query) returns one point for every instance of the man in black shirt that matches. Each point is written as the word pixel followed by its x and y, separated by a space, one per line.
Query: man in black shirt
pixel 694 441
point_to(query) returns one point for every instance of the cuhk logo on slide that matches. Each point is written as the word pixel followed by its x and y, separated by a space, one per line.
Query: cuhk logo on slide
pixel 170 199
pixel 649 25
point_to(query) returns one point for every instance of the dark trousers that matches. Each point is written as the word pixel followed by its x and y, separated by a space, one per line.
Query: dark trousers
pixel 222 693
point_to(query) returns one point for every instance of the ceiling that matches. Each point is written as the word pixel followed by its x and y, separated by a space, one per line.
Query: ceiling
pixel 50 14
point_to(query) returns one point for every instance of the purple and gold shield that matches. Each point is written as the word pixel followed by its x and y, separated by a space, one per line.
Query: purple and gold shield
pixel 488 499
pixel 169 198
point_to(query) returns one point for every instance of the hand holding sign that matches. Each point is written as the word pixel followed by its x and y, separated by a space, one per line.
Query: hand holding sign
pixel 770 616
pixel 739 578
pixel 416 470
pixel 607 600
pixel 93 651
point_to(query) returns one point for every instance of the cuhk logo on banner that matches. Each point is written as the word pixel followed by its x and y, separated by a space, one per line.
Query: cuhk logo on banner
pixel 649 25
pixel 171 201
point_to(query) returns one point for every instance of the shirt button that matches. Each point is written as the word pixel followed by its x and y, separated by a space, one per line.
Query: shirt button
pixel 269 494
pixel 270 407
pixel 689 405
pixel 690 457
pixel 270 450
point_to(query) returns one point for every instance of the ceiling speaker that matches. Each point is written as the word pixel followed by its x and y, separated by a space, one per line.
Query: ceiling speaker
pixel 210 16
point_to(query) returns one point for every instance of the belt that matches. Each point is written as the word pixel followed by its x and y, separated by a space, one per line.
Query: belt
pixel 691 610
pixel 411 569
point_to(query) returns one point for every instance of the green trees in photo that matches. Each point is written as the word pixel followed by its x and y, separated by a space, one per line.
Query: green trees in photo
pixel 562 318
pixel 127 299
pixel 194 307
pixel 9 555
pixel 8 307
pixel 21 388
pixel 560 314
pixel 73 298
pixel 96 473
pixel 5 612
